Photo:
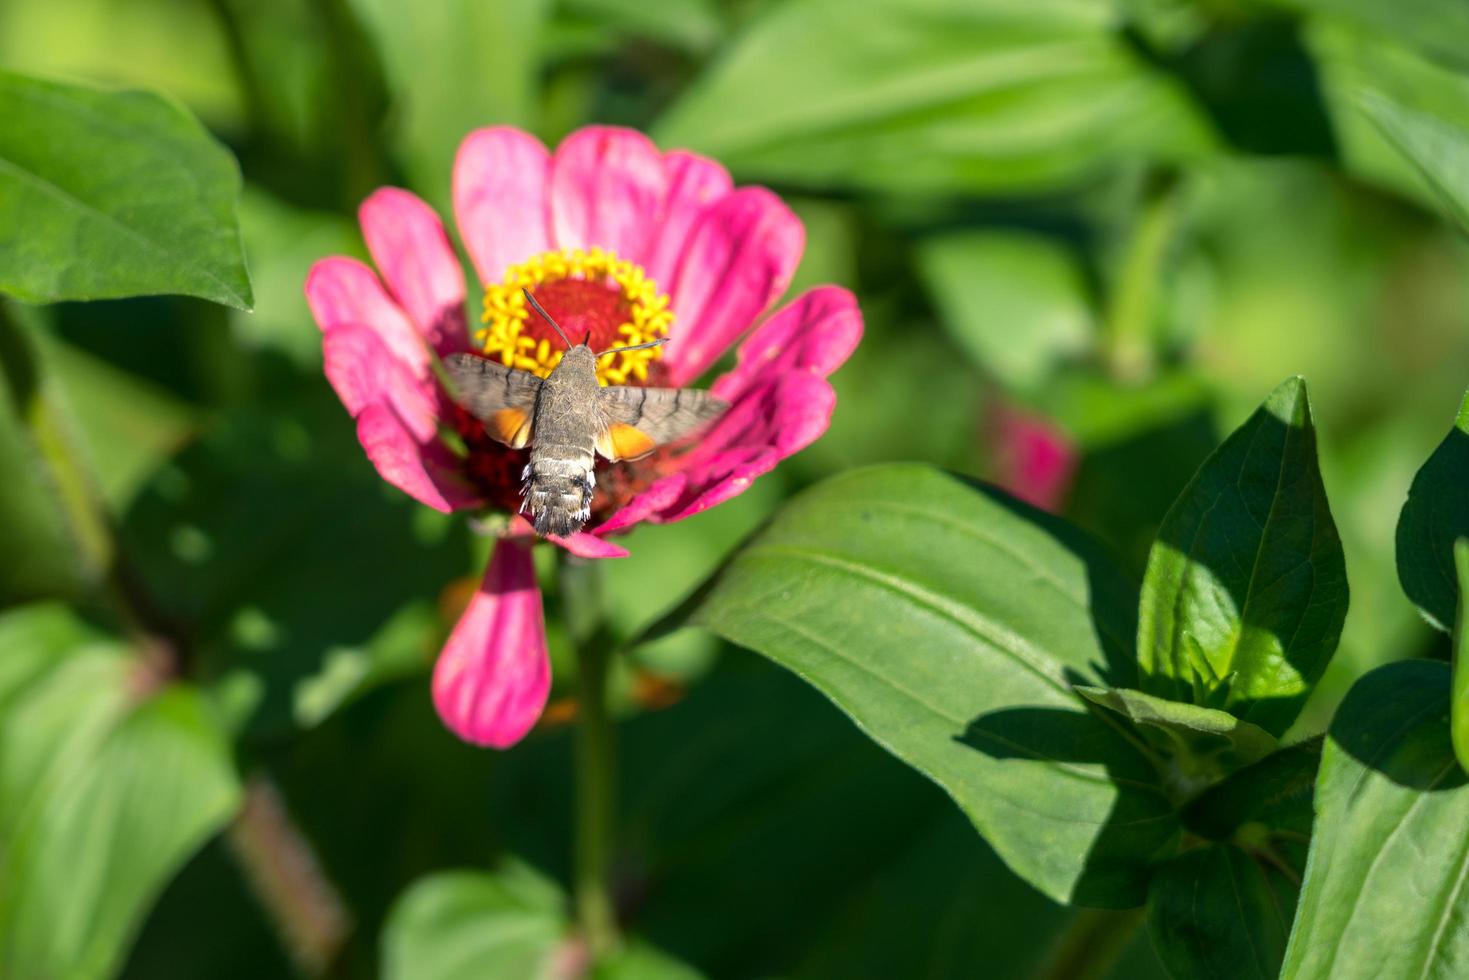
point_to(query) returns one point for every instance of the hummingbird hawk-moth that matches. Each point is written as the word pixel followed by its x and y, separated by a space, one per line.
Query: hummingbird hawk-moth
pixel 569 416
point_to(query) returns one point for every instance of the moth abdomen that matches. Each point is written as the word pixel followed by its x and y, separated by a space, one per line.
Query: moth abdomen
pixel 558 489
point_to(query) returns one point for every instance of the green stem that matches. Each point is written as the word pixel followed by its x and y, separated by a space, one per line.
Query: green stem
pixel 1089 947
pixel 1132 307
pixel 581 600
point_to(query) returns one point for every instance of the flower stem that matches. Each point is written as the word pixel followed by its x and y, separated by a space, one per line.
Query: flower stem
pixel 1089 947
pixel 581 600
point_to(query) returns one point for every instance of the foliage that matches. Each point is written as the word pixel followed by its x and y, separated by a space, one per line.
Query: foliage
pixel 1088 239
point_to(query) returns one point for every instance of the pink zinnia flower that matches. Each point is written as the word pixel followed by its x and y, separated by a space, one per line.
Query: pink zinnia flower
pixel 620 240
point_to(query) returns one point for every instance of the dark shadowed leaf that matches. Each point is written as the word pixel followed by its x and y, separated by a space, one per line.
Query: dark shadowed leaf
pixel 1435 515
pixel 949 622
pixel 106 194
pixel 1273 795
pixel 1246 588
pixel 1460 707
pixel 1438 149
pixel 104 791
pixel 1384 893
pixel 1198 745
pixel 1217 913
pixel 941 94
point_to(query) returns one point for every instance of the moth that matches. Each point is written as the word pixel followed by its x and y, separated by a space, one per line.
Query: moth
pixel 568 417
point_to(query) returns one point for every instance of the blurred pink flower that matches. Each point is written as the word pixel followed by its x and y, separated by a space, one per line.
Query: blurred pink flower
pixel 1035 460
pixel 607 200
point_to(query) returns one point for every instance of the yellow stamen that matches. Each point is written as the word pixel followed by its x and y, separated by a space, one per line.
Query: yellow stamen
pixel 506 313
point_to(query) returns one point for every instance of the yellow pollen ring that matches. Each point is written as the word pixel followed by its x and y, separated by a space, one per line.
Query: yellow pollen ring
pixel 506 313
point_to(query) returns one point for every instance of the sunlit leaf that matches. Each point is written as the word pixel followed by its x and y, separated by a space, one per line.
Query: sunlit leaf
pixel 949 622
pixel 1246 588
pixel 1017 303
pixel 1383 895
pixel 106 194
pixel 104 791
pixel 1439 150
pixel 943 94
pixel 1435 515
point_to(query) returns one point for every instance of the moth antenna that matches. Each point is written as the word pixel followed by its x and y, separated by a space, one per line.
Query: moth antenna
pixel 545 316
pixel 651 343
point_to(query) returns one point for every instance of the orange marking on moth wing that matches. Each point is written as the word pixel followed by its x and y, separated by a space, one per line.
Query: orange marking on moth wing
pixel 622 441
pixel 510 426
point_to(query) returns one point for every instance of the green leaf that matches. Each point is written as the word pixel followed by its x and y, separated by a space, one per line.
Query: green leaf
pixel 1017 303
pixel 949 622
pixel 1440 151
pixel 1198 745
pixel 1216 912
pixel 1384 893
pixel 1460 706
pixel 508 924
pixel 694 25
pixel 103 794
pixel 107 194
pixel 1434 26
pixel 454 66
pixel 637 960
pixel 937 95
pixel 1246 589
pixel 1268 801
pixel 1435 515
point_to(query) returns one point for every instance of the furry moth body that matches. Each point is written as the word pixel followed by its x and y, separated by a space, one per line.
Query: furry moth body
pixel 567 420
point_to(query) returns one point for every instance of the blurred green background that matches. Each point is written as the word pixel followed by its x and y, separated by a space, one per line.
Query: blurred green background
pixel 1126 221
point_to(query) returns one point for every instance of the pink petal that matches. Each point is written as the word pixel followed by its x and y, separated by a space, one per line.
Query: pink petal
pixel 815 334
pixel 363 373
pixel 494 674
pixel 581 544
pixel 1036 460
pixel 776 419
pixel 607 190
pixel 426 471
pixel 342 291
pixel 659 496
pixel 500 178
pixel 408 244
pixel 694 184
pixel 740 257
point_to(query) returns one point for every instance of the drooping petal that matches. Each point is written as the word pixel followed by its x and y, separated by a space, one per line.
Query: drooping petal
pixel 695 183
pixel 814 334
pixel 426 471
pixel 493 676
pixel 500 204
pixel 581 544
pixel 661 495
pixel 363 373
pixel 407 241
pixel 776 419
pixel 739 259
pixel 343 291
pixel 607 190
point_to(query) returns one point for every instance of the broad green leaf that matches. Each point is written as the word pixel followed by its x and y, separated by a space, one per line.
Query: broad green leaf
pixel 1459 709
pixel 106 194
pixel 1198 745
pixel 1384 892
pixel 454 924
pixel 453 66
pixel 935 95
pixel 1434 26
pixel 104 791
pixel 1435 515
pixel 1246 589
pixel 949 622
pixel 1217 912
pixel 1439 150
pixel 1017 303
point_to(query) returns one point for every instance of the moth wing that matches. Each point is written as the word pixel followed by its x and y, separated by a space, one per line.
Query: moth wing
pixel 501 397
pixel 639 420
